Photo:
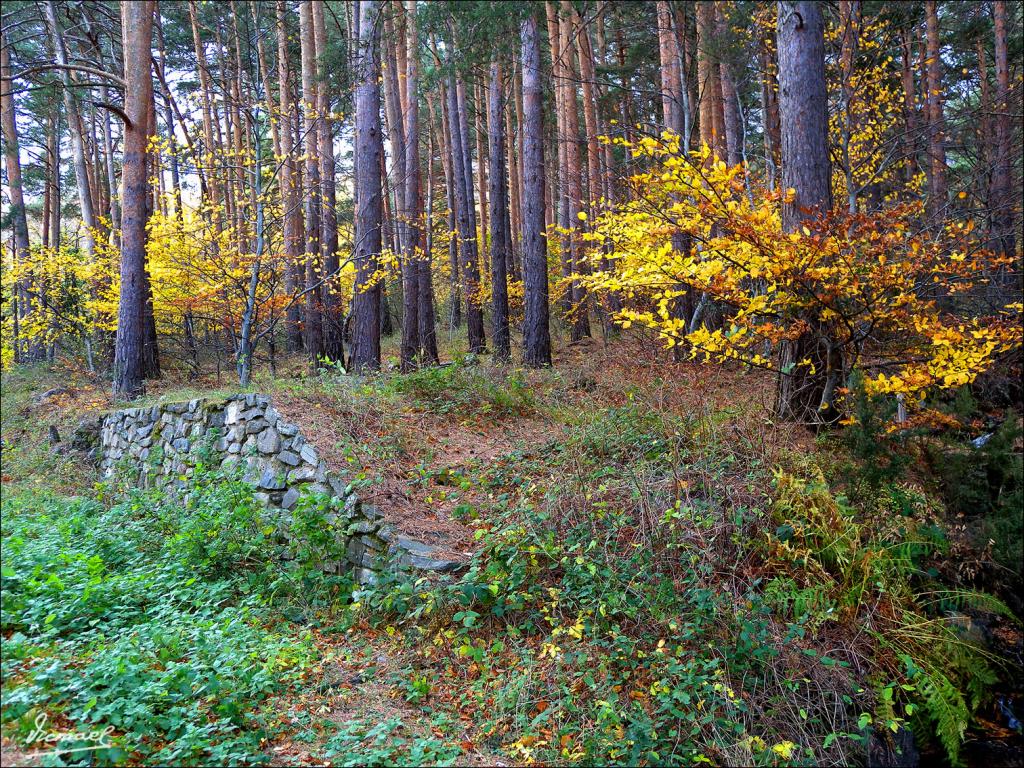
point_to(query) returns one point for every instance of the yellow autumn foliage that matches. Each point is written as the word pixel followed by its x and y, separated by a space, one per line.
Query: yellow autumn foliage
pixel 877 288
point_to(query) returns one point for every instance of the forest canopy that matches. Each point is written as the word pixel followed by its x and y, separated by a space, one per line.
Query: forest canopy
pixel 234 181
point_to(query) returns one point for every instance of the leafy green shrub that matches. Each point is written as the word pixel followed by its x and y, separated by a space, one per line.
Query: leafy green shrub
pixel 986 484
pixel 627 432
pixel 316 538
pixel 879 457
pixel 458 388
pixel 633 640
pixel 220 528
pixel 149 616
pixel 881 567
pixel 386 743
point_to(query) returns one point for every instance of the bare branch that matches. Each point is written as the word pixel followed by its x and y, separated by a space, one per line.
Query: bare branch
pixel 115 110
pixel 73 68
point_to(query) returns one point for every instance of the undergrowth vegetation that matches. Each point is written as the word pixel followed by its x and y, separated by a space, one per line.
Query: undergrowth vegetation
pixel 157 616
pixel 645 593
pixel 650 585
pixel 462 388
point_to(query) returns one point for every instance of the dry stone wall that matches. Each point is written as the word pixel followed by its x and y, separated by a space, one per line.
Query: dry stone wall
pixel 159 445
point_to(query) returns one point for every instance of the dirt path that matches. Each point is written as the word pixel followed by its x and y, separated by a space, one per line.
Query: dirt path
pixel 360 687
pixel 416 461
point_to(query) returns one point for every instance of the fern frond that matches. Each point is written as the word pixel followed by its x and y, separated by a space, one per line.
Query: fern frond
pixel 946 708
pixel 968 598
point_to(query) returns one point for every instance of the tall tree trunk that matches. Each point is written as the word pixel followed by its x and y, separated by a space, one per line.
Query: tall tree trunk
pixel 395 77
pixel 536 335
pixel 76 130
pixel 44 233
pixel 585 53
pixel 685 43
pixel 333 312
pixel 216 210
pixel 19 221
pixel 1002 183
pixel 389 225
pixel 625 94
pixel 467 156
pixel 150 349
pixel 401 53
pixel 418 255
pixel 92 145
pixel 395 126
pixel 226 138
pixel 803 112
pixel 559 188
pixel 389 234
pixel 240 135
pixel 501 235
pixel 464 203
pixel 732 120
pixel 770 113
pixel 514 189
pixel 574 177
pixel 672 119
pixel 205 89
pixel 265 79
pixel 909 103
pixel 849 22
pixel 224 200
pixel 453 239
pixel 105 336
pixel 554 168
pixel 936 123
pixel 246 343
pixel 985 137
pixel 717 106
pixel 803 107
pixel 314 321
pixel 292 209
pixel 479 108
pixel 427 322
pixel 686 79
pixel 113 206
pixel 136 30
pixel 428 326
pixel 403 158
pixel 411 210
pixel 671 76
pixel 925 115
pixel 365 350
pixel 708 85
pixel 612 300
pixel 52 149
pixel 171 138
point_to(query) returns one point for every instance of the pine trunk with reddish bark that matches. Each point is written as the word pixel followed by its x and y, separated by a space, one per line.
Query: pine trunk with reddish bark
pixel 536 334
pixel 805 392
pixel 314 337
pixel 365 348
pixel 129 346
pixel 501 235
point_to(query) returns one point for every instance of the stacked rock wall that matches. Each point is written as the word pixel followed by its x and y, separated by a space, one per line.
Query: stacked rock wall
pixel 158 445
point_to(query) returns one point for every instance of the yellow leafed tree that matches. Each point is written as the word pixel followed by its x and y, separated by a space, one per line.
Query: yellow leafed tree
pixel 873 294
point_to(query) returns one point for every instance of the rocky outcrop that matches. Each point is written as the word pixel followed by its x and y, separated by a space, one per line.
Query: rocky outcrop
pixel 160 445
